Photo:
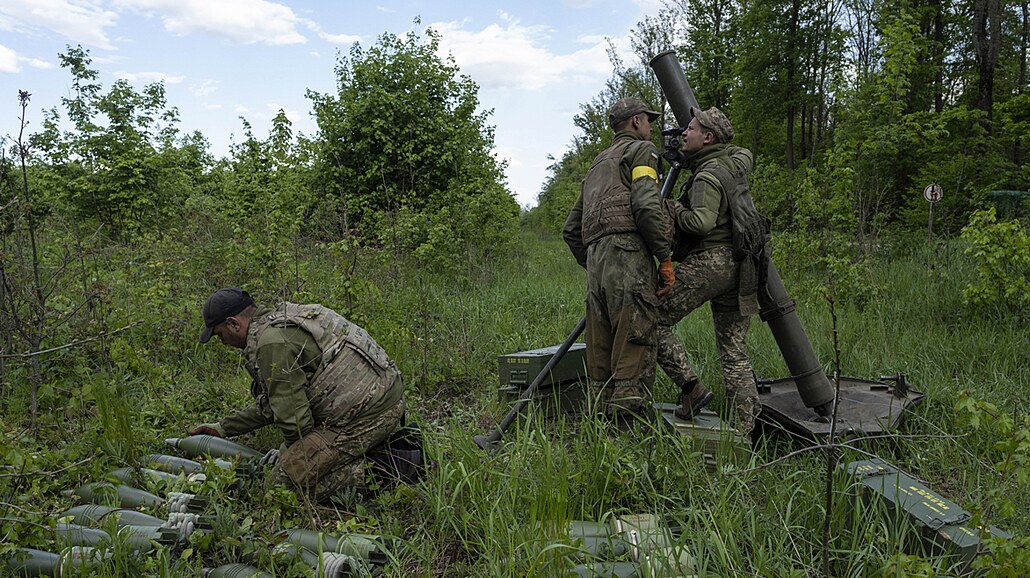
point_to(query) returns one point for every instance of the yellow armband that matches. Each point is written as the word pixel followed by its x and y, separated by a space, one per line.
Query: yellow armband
pixel 644 171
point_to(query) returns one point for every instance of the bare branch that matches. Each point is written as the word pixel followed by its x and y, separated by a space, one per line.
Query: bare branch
pixel 72 344
pixel 50 473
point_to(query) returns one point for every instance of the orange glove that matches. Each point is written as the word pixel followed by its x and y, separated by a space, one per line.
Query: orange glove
pixel 668 278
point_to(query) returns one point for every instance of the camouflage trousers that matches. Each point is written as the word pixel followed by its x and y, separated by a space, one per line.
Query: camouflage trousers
pixel 330 458
pixel 620 328
pixel 703 277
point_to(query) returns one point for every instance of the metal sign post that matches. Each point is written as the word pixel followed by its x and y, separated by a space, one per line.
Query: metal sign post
pixel 933 193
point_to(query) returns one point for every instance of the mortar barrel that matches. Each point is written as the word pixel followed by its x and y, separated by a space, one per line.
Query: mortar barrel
pixel 216 447
pixel 777 309
pixel 674 85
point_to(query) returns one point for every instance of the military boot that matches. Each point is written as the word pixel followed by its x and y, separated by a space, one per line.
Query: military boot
pixel 691 403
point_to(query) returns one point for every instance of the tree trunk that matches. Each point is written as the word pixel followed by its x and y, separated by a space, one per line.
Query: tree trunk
pixel 938 56
pixel 1024 47
pixel 986 44
pixel 792 64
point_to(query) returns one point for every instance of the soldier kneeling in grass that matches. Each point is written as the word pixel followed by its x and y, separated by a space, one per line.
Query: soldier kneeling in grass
pixel 324 382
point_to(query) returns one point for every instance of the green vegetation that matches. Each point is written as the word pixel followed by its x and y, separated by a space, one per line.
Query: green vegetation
pixel 114 228
pixel 497 514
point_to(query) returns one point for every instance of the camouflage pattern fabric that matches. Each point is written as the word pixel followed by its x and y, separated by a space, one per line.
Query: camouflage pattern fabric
pixel 620 329
pixel 329 459
pixel 710 276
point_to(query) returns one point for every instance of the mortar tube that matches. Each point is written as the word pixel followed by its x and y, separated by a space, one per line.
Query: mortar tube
pixel 674 85
pixel 777 309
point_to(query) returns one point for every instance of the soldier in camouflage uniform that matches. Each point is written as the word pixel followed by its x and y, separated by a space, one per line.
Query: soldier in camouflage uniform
pixel 323 381
pixel 616 231
pixel 709 273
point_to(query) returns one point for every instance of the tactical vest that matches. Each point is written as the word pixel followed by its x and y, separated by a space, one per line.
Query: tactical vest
pixel 606 199
pixel 751 233
pixel 751 229
pixel 355 374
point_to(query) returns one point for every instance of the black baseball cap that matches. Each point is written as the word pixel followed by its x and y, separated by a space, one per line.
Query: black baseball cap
pixel 221 305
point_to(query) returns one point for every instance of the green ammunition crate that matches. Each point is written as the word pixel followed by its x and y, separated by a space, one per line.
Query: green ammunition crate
pixel 564 397
pixel 940 523
pixel 562 390
pixel 715 438
pixel 519 369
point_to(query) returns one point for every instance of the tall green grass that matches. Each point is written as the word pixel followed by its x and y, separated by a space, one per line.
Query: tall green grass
pixel 505 513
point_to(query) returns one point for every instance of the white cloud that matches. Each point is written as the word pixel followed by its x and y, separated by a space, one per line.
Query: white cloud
pixel 204 88
pixel 136 77
pixel 516 56
pixel 243 21
pixel 331 38
pixel 41 64
pixel 81 21
pixel 9 61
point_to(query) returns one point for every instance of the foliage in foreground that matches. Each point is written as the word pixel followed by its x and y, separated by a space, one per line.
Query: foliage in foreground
pixel 108 401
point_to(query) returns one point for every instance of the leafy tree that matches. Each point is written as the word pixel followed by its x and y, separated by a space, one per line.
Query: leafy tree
pixel 121 163
pixel 402 151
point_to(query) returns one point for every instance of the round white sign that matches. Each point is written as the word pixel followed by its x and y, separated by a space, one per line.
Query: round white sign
pixel 933 192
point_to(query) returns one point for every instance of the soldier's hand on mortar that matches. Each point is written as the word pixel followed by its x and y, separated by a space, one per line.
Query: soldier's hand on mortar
pixel 208 429
pixel 668 276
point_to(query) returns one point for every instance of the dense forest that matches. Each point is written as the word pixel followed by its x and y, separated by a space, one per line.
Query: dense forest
pixel 114 227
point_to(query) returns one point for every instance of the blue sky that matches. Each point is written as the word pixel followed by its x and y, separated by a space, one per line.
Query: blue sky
pixel 535 61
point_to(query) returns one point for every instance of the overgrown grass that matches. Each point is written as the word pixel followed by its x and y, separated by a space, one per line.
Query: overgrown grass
pixel 504 513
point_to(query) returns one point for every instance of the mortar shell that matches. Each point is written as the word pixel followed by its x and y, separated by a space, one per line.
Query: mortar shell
pixel 172 464
pixel 234 571
pixel 334 565
pixel 216 447
pixel 94 514
pixel 122 495
pixel 78 535
pixel 128 475
pixel 368 548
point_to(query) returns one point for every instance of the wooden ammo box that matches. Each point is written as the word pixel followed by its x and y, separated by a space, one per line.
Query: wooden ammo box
pixel 716 440
pixel 563 389
pixel 940 523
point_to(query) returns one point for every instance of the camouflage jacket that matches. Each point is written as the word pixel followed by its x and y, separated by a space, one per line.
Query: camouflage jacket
pixel 705 216
pixel 311 367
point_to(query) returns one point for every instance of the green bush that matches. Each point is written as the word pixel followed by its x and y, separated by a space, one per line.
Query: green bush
pixel 1002 253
